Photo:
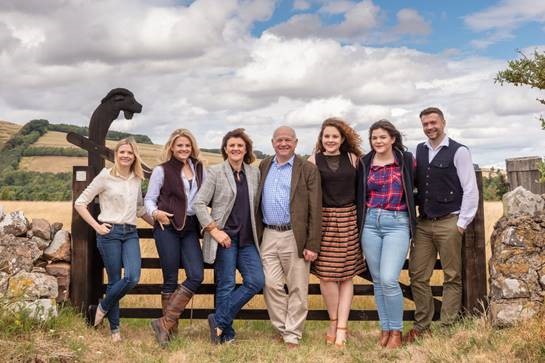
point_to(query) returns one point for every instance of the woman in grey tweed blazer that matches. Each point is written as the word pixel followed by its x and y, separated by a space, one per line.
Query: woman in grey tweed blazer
pixel 230 237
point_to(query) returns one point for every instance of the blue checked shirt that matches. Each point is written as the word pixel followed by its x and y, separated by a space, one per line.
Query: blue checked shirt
pixel 275 201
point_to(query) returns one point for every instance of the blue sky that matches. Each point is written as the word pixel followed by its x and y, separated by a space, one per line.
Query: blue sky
pixel 446 19
pixel 211 66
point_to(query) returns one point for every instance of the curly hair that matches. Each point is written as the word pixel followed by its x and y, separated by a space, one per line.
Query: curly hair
pixel 352 139
pixel 249 157
pixel 391 130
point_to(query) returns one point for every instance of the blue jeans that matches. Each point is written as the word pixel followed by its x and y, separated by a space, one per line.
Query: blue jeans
pixel 177 249
pixel 229 299
pixel 119 249
pixel 385 244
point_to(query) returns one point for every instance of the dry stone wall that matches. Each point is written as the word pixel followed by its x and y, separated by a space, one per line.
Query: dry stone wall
pixel 34 264
pixel 517 264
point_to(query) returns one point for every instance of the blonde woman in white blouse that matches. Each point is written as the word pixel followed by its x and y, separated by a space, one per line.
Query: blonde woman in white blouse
pixel 120 197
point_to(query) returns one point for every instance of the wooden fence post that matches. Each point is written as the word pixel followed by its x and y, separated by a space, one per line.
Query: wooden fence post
pixel 86 273
pixel 524 172
pixel 474 259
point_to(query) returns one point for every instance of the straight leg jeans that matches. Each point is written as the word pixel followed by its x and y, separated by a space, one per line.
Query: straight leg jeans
pixel 119 249
pixel 177 249
pixel 229 298
pixel 385 244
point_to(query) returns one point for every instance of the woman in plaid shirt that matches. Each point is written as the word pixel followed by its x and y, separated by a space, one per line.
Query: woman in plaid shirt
pixel 387 213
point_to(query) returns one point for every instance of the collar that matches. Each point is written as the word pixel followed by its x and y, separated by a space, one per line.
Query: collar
pixel 395 163
pixel 119 176
pixel 290 161
pixel 241 171
pixel 444 142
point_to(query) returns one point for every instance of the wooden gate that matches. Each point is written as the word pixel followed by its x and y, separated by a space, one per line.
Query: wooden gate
pixel 87 270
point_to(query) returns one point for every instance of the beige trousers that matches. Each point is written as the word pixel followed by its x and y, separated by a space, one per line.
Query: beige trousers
pixel 434 237
pixel 282 266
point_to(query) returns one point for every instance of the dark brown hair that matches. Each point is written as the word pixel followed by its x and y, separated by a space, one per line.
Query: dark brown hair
pixel 391 130
pixel 249 157
pixel 352 139
pixel 429 110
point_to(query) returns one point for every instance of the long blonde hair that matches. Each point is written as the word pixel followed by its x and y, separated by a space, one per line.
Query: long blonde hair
pixel 167 149
pixel 136 166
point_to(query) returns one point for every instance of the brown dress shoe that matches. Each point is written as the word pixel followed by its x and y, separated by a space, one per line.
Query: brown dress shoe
pixel 394 341
pixel 292 345
pixel 383 339
pixel 414 334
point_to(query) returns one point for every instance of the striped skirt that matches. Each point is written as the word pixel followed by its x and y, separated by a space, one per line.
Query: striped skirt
pixel 340 256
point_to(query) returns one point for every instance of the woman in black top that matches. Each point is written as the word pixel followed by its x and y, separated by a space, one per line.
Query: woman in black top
pixel 340 257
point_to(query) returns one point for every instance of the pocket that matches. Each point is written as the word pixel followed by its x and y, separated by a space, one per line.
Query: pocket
pixel 441 164
pixel 446 197
pixel 402 219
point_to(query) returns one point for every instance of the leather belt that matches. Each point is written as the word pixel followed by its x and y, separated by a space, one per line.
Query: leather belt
pixel 278 227
pixel 434 219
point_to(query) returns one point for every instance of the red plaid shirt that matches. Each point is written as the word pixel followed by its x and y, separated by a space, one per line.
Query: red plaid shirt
pixel 385 187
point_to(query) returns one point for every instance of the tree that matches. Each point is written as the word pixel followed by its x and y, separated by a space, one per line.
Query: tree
pixel 526 72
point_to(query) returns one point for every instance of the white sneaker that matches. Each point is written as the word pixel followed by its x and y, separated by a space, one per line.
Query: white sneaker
pixel 116 337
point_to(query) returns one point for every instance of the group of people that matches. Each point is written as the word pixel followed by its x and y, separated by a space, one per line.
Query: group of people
pixel 333 215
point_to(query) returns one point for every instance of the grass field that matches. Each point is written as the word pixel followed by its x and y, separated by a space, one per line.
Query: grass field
pixel 150 154
pixel 7 130
pixel 67 339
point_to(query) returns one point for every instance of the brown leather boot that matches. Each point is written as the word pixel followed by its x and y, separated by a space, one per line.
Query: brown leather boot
pixel 414 334
pixel 395 339
pixel 383 339
pixel 176 305
pixel 165 297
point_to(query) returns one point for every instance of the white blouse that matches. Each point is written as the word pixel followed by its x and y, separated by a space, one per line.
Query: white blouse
pixel 120 198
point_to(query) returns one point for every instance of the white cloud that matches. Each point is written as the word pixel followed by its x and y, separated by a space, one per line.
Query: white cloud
pixel 301 5
pixel 411 22
pixel 218 77
pixel 363 23
pixel 500 20
pixel 337 6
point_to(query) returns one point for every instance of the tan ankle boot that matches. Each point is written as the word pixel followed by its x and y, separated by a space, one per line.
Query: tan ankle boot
pixel 165 298
pixel 384 337
pixel 395 339
pixel 176 305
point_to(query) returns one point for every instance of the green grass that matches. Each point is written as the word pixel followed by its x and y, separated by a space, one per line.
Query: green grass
pixel 67 338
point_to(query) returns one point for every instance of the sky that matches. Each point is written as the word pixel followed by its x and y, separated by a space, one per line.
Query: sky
pixel 212 66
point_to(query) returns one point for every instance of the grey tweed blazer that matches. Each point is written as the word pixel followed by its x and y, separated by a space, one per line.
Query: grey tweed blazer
pixel 219 192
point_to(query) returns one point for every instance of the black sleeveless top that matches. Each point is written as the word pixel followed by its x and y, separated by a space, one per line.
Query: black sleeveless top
pixel 338 186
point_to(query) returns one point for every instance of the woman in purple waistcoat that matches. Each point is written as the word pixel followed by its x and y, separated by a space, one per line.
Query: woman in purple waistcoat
pixel 169 200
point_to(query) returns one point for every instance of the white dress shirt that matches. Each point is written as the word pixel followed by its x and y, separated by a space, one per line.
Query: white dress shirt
pixel 120 198
pixel 466 175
